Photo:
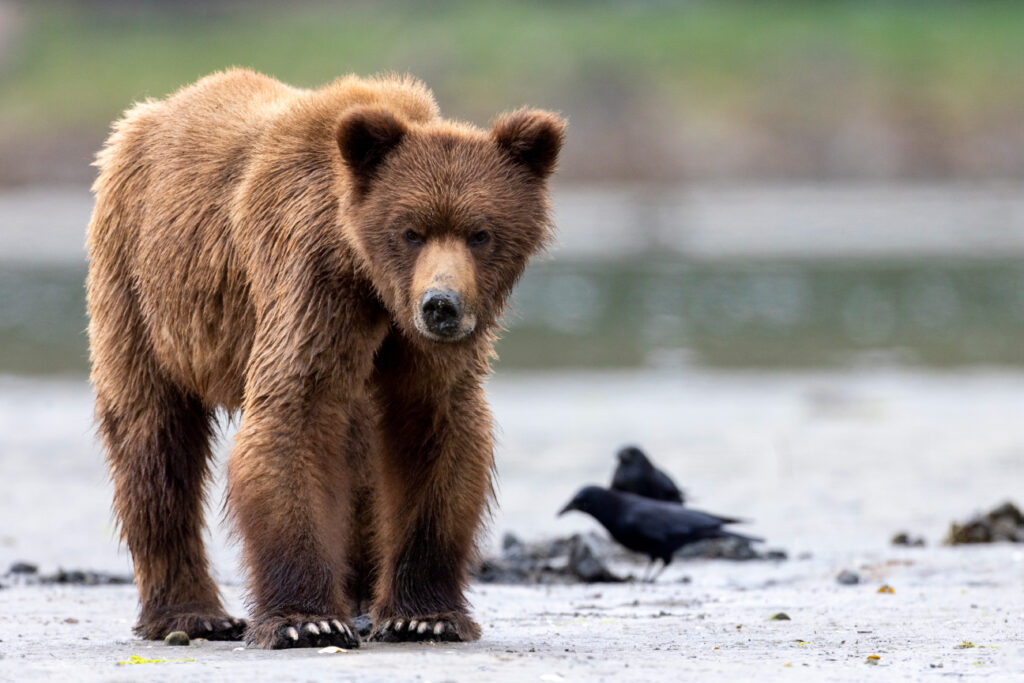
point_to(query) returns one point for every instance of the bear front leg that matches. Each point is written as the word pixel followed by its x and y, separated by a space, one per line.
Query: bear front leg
pixel 434 487
pixel 289 492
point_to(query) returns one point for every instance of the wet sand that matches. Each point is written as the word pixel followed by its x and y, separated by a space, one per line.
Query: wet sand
pixel 702 221
pixel 830 464
pixel 716 628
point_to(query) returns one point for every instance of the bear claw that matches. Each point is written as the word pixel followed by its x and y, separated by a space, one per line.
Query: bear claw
pixel 429 629
pixel 282 632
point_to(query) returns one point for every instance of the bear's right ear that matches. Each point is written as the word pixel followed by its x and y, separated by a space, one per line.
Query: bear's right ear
pixel 365 136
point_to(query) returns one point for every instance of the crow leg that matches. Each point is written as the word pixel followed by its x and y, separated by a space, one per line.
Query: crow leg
pixel 649 570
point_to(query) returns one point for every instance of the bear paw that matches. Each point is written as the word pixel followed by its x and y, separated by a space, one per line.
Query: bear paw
pixel 278 633
pixel 210 626
pixel 448 627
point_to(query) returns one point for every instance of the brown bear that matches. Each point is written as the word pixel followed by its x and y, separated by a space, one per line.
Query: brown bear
pixel 331 263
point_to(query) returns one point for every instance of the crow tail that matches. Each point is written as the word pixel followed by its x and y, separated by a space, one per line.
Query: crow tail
pixel 742 537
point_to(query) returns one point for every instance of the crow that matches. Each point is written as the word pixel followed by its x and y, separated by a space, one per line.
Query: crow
pixel 635 474
pixel 650 527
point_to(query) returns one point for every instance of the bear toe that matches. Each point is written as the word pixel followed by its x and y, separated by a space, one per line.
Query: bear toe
pixel 196 625
pixel 302 631
pixel 451 628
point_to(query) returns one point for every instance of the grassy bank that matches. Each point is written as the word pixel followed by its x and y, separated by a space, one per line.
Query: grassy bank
pixel 652 80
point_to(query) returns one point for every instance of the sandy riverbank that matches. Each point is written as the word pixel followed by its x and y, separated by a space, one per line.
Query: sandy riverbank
pixel 830 464
pixel 717 627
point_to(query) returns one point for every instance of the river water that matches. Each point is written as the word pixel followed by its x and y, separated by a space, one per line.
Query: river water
pixel 642 278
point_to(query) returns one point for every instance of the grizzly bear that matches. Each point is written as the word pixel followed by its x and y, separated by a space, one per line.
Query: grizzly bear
pixel 332 264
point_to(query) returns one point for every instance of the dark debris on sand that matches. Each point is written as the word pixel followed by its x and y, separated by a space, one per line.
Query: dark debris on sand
pixel 1003 523
pixel 907 539
pixel 575 559
pixel 27 574
pixel 727 549
pixel 584 558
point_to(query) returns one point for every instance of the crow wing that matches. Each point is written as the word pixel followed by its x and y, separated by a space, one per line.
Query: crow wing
pixel 659 529
pixel 665 487
pixel 624 479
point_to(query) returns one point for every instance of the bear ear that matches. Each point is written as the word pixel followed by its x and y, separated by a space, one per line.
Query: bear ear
pixel 532 138
pixel 365 136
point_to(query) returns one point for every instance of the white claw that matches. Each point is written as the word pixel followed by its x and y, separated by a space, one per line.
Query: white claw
pixel 311 627
pixel 424 625
pixel 324 628
pixel 292 633
pixel 439 628
pixel 399 623
pixel 349 633
pixel 338 626
pixel 412 625
pixel 386 625
pixel 208 626
pixel 225 624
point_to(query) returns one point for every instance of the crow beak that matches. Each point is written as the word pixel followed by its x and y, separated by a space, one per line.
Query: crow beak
pixel 567 508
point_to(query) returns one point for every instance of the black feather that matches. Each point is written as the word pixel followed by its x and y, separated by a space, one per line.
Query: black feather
pixel 637 475
pixel 651 527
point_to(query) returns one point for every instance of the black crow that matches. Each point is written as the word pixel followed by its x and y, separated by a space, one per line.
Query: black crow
pixel 636 474
pixel 651 527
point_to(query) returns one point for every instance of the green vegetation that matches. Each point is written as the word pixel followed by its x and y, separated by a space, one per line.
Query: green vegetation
pixel 73 68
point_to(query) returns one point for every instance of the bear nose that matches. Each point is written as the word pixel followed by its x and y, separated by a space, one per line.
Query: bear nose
pixel 442 312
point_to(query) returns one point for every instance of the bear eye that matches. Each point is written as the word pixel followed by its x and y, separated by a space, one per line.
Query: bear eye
pixel 413 237
pixel 479 238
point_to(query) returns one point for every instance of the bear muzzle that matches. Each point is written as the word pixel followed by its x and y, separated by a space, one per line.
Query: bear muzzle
pixel 442 316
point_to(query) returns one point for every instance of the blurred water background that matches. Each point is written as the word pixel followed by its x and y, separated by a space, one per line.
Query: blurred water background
pixel 790 255
pixel 790 184
pixel 789 276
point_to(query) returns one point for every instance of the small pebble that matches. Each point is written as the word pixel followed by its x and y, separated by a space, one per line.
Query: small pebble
pixel 780 616
pixel 176 638
pixel 848 578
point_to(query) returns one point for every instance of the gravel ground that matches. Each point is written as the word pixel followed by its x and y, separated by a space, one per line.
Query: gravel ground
pixel 826 465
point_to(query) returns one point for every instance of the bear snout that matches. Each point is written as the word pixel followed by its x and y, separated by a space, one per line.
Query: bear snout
pixel 442 314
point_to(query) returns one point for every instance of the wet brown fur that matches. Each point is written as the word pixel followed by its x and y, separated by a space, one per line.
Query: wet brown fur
pixel 246 252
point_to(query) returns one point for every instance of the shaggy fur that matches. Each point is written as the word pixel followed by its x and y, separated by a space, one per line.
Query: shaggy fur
pixel 267 249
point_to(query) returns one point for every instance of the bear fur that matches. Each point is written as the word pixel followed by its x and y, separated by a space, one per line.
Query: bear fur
pixel 333 264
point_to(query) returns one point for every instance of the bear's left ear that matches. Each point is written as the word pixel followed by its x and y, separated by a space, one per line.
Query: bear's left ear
pixel 532 138
pixel 365 136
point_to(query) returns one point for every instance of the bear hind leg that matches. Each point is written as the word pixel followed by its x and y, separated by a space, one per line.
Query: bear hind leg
pixel 158 451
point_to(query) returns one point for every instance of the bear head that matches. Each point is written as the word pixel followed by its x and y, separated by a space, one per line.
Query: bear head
pixel 445 216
